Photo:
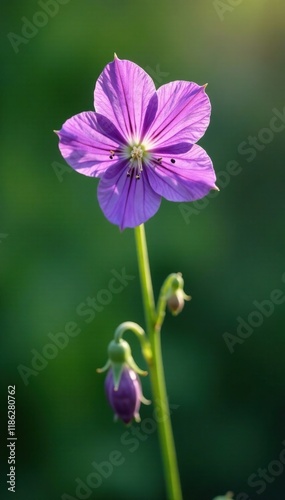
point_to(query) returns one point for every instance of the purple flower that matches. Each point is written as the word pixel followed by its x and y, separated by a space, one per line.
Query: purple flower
pixel 141 143
pixel 126 400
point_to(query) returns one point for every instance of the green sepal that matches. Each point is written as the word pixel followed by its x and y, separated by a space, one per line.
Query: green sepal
pixel 132 364
pixel 144 400
pixel 105 367
pixel 120 353
pixel 117 370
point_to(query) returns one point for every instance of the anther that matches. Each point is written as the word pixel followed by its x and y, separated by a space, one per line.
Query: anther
pixel 172 160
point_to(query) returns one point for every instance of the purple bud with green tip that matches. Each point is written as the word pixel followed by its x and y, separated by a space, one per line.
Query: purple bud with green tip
pixel 122 384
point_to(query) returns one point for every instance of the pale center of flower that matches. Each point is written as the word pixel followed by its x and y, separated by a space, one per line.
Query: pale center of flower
pixel 137 153
pixel 136 156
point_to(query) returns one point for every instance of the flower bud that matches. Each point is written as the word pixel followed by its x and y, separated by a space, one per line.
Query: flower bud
pixel 177 296
pixel 127 398
pixel 176 302
pixel 122 384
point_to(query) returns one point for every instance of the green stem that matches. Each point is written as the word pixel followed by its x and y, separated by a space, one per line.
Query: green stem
pixel 162 412
pixel 139 332
pixel 145 277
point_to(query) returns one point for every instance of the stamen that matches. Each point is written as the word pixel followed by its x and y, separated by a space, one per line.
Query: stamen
pixel 136 162
pixel 139 169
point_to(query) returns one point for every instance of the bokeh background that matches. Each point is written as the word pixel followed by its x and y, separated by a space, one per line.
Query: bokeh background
pixel 57 249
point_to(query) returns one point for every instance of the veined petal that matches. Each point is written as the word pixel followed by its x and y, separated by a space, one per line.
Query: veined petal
pixel 183 114
pixel 126 201
pixel 122 93
pixel 176 149
pixel 191 176
pixel 86 140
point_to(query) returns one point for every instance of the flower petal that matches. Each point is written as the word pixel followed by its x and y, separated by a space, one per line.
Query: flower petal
pixel 126 201
pixel 183 114
pixel 122 93
pixel 85 141
pixel 191 176
pixel 176 149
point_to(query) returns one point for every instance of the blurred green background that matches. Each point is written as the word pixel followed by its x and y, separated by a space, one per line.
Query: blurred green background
pixel 57 249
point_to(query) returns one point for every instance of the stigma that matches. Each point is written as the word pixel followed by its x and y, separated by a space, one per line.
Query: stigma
pixel 137 153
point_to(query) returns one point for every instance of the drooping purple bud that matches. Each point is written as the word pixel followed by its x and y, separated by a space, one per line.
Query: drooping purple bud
pixel 126 400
